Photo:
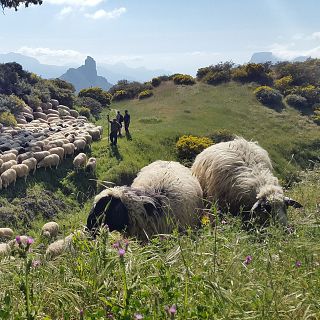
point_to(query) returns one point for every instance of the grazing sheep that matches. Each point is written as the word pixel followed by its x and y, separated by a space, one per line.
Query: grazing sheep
pixel 80 161
pixel 52 160
pixel 80 144
pixel 50 229
pixel 24 156
pixel 22 170
pixel 8 156
pixel 31 163
pixel 40 155
pixel 163 196
pixel 6 233
pixel 8 177
pixel 238 175
pixel 59 151
pixel 91 165
pixel 68 149
pixel 4 249
pixel 7 165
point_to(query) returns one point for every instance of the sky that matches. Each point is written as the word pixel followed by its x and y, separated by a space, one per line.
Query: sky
pixel 175 35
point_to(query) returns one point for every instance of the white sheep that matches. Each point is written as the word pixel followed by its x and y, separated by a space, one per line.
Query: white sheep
pixel 40 155
pixel 69 149
pixel 31 163
pixel 6 233
pixel 80 144
pixel 91 165
pixel 22 170
pixel 80 161
pixel 8 177
pixel 4 249
pixel 50 229
pixel 8 156
pixel 238 175
pixel 164 196
pixel 52 160
pixel 7 165
pixel 59 151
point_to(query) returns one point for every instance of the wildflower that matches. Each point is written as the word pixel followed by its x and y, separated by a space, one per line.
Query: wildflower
pixel 121 252
pixel 18 239
pixel 30 241
pixel 248 260
pixel 36 263
pixel 116 245
pixel 110 316
pixel 172 310
pixel 298 264
pixel 224 222
pixel 81 312
pixel 138 316
pixel 205 221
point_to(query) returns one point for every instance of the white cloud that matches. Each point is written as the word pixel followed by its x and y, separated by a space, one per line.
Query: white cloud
pixel 64 12
pixel 51 56
pixel 76 3
pixel 102 14
pixel 315 36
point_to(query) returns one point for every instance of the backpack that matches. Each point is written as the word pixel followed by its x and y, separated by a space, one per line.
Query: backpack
pixel 121 118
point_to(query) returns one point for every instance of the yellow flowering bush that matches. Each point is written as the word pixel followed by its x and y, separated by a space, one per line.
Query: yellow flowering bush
pixel 145 94
pixel 268 96
pixel 283 84
pixel 189 146
pixel 120 95
pixel 8 119
pixel 183 79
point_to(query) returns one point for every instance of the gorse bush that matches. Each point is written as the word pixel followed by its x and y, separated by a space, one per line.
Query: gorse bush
pixel 103 97
pixel 268 96
pixel 156 82
pixel 253 72
pixel 216 74
pixel 183 79
pixel 120 95
pixel 145 94
pixel 221 135
pixel 284 84
pixel 131 89
pixel 8 119
pixel 93 105
pixel 188 146
pixel 216 78
pixel 296 101
pixel 11 104
pixel 83 111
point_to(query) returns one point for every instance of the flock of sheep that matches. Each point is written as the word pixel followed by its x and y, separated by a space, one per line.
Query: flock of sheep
pixel 166 195
pixel 53 132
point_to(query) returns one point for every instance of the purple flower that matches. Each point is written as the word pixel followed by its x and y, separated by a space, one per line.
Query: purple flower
pixel 138 316
pixel 116 245
pixel 224 222
pixel 110 316
pixel 36 263
pixel 298 264
pixel 18 239
pixel 248 260
pixel 121 252
pixel 172 310
pixel 30 241
pixel 81 312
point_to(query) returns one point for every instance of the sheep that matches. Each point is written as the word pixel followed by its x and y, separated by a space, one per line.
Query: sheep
pixel 6 233
pixel 24 156
pixel 163 196
pixel 91 165
pixel 8 156
pixel 4 249
pixel 31 163
pixel 22 170
pixel 80 144
pixel 50 229
pixel 40 155
pixel 52 160
pixel 8 177
pixel 7 165
pixel 238 176
pixel 59 151
pixel 68 149
pixel 80 161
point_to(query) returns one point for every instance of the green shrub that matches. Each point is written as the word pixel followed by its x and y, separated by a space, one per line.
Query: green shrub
pixel 221 135
pixel 156 82
pixel 188 146
pixel 120 95
pixel 253 72
pixel 145 94
pixel 8 119
pixel 222 67
pixel 93 105
pixel 310 92
pixel 183 79
pixel 216 78
pixel 316 116
pixel 296 101
pixel 11 104
pixel 239 75
pixel 283 84
pixel 103 97
pixel 268 96
pixel 83 111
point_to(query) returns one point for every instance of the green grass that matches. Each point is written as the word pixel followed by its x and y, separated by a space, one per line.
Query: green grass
pixel 203 272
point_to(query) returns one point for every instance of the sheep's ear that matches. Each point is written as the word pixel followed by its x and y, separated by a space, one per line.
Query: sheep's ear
pixel 256 205
pixel 292 203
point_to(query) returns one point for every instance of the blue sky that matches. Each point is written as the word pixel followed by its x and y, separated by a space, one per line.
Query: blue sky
pixel 175 35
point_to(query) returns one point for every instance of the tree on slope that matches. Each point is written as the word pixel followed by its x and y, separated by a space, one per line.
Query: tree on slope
pixel 16 3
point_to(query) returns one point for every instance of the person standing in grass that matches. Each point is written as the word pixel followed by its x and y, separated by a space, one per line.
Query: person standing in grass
pixel 119 120
pixel 115 127
pixel 126 120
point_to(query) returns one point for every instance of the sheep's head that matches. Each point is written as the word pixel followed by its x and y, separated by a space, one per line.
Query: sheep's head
pixel 274 207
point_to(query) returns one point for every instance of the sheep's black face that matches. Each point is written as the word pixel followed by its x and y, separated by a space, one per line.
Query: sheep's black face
pixel 108 211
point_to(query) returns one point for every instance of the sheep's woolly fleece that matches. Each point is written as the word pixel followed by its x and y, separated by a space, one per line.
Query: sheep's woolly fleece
pixel 237 172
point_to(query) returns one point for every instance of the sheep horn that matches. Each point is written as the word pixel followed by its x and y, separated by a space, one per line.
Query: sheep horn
pixel 290 202
pixel 256 205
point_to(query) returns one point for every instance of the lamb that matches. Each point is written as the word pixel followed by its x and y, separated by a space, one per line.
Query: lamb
pixel 31 163
pixel 91 165
pixel 50 229
pixel 6 233
pixel 80 161
pixel 163 196
pixel 8 177
pixel 238 175
pixel 52 160
pixel 22 170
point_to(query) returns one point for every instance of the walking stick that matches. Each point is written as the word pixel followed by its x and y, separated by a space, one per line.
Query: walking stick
pixel 108 130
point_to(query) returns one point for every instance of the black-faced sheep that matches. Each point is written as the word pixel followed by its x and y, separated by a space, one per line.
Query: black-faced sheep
pixel 163 196
pixel 238 175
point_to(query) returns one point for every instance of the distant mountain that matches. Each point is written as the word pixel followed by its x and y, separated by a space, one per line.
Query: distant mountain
pixel 262 57
pixel 33 65
pixel 86 76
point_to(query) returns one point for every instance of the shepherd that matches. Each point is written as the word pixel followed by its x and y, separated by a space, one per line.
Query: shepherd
pixel 115 127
